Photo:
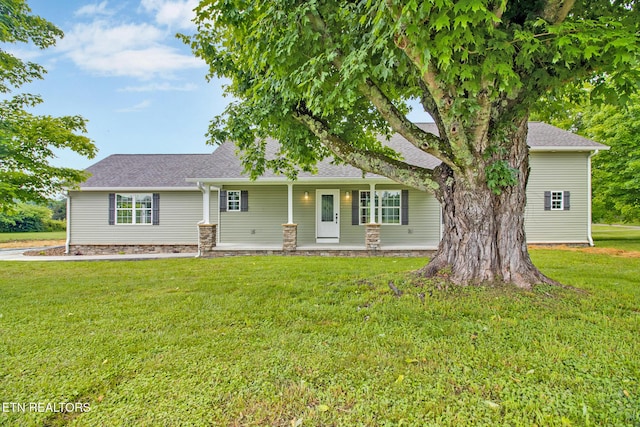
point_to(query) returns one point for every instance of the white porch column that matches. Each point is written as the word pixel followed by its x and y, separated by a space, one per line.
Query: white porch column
pixel 373 203
pixel 289 203
pixel 206 204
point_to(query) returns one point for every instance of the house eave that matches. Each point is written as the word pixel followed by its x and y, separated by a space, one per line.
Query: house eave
pixel 566 149
pixel 136 189
pixel 300 181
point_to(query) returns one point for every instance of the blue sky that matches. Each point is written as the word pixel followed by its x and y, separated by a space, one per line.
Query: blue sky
pixel 121 67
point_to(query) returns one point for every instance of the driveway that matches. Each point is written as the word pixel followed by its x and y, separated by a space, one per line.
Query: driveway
pixel 18 255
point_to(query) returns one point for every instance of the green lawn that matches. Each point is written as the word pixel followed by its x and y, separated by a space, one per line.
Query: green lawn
pixel 617 236
pixel 21 237
pixel 318 341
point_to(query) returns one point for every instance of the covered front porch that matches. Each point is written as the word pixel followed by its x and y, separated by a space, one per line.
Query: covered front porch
pixel 348 217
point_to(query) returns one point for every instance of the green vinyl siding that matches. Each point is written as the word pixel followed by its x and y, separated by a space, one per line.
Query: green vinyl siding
pixel 304 213
pixel 180 212
pixel 558 172
pixel 424 221
pixel 214 203
pixel 262 223
pixel 423 228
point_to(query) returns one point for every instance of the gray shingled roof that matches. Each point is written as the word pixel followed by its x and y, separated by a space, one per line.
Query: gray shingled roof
pixel 173 170
pixel 147 170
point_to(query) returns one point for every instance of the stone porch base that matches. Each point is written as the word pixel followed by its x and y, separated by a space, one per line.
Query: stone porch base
pixel 131 249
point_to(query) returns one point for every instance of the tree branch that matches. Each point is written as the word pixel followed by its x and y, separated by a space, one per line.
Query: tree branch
pixel 424 141
pixel 499 11
pixel 413 176
pixel 555 11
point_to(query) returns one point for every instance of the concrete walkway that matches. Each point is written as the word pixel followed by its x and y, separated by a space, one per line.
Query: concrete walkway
pixel 18 255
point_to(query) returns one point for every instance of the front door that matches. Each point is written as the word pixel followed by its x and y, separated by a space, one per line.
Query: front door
pixel 328 216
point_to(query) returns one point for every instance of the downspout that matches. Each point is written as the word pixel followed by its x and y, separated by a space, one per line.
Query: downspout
pixel 589 209
pixel 219 218
pixel 67 245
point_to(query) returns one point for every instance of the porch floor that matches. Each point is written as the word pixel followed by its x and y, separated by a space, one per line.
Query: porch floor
pixel 320 249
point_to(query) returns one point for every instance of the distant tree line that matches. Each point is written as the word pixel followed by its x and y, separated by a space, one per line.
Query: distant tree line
pixel 29 217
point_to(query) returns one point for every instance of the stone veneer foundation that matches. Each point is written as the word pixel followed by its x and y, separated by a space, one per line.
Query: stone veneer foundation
pixel 131 249
pixel 350 253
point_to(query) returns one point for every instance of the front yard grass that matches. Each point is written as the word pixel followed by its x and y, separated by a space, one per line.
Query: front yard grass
pixel 302 341
pixel 622 237
pixel 32 239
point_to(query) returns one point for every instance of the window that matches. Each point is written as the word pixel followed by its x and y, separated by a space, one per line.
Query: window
pixel 233 201
pixel 365 207
pixel 133 208
pixel 557 200
pixel 389 206
pixel 386 208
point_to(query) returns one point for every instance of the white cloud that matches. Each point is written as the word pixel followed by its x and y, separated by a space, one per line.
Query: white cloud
pixel 138 107
pixel 172 13
pixel 135 50
pixel 160 87
pixel 94 9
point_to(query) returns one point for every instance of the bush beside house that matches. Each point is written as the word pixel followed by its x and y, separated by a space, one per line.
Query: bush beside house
pixel 30 218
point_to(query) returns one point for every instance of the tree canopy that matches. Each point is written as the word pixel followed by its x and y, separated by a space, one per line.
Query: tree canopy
pixel 28 141
pixel 616 172
pixel 330 77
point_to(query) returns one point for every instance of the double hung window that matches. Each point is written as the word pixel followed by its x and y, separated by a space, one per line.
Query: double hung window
pixel 134 208
pixel 385 208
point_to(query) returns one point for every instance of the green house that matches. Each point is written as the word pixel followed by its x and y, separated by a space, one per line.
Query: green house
pixel 204 203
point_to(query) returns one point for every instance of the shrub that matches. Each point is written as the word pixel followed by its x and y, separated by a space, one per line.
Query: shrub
pixel 25 218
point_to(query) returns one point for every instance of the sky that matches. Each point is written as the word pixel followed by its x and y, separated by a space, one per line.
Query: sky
pixel 121 67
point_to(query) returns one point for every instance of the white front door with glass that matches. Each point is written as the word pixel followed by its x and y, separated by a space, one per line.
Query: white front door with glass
pixel 327 216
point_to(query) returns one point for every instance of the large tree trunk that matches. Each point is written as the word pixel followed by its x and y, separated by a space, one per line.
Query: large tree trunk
pixel 483 238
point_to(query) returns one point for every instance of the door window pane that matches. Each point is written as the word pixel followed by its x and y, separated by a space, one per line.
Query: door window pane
pixel 327 207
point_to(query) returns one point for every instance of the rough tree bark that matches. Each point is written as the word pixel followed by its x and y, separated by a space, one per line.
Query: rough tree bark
pixel 483 232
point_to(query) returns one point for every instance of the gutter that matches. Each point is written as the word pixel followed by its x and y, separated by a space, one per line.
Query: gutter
pixel 589 208
pixel 218 182
pixel 137 189
pixel 67 244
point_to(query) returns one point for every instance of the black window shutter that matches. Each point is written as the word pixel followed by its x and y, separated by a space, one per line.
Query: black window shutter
pixel 223 200
pixel 244 201
pixel 566 200
pixel 547 200
pixel 112 208
pixel 355 207
pixel 155 214
pixel 404 202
